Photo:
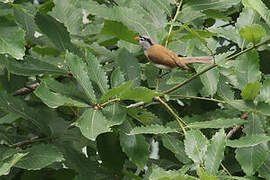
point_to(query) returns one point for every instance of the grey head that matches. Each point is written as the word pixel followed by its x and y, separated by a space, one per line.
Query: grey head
pixel 146 42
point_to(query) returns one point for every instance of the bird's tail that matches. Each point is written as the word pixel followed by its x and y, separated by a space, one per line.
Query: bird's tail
pixel 199 59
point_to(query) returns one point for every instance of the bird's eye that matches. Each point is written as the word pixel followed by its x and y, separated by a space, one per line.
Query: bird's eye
pixel 142 39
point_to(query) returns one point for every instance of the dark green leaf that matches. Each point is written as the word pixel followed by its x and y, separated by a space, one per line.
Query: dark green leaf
pixel 252 158
pixel 192 10
pixel 251 140
pixel 40 156
pixel 15 105
pixel 260 8
pixel 110 152
pixel 143 116
pixel 176 146
pixel 139 94
pixel 70 14
pixel 116 91
pixel 79 70
pixel 55 100
pixel 118 30
pixel 9 118
pixel 129 65
pixel 152 129
pixel 12 41
pixel 265 91
pixel 56 32
pixel 264 170
pixel 135 146
pixel 195 145
pixel 115 114
pixel 30 66
pixel 92 123
pixel 24 15
pixel 247 69
pixel 215 153
pixel 96 72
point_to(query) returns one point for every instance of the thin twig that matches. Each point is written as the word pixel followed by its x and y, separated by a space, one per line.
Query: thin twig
pixel 109 101
pixel 173 20
pixel 30 141
pixel 225 169
pixel 141 103
pixel 213 66
pixel 180 121
pixel 195 97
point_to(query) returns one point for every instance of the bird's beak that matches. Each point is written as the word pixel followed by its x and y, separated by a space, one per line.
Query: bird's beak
pixel 137 38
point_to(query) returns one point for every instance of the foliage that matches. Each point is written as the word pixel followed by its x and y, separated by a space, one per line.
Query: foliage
pixel 79 99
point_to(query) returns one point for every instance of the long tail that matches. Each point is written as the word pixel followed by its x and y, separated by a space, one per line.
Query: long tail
pixel 199 59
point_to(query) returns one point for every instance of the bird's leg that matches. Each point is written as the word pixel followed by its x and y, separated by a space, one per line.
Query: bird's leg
pixel 161 75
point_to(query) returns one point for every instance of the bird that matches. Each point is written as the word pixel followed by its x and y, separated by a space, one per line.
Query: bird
pixel 164 58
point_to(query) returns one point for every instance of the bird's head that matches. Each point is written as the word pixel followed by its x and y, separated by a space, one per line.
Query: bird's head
pixel 145 41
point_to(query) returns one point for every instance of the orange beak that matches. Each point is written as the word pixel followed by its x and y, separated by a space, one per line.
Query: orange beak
pixel 137 38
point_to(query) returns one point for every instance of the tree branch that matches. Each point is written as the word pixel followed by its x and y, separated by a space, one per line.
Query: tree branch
pixel 195 97
pixel 173 20
pixel 180 121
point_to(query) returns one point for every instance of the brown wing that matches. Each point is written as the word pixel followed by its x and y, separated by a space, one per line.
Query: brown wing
pixel 160 55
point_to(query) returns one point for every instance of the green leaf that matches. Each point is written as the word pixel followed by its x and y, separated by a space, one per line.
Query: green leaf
pixel 129 65
pixel 69 13
pixel 259 7
pixel 210 80
pixel 116 91
pixel 110 153
pixel 79 70
pixel 161 174
pixel 265 91
pixel 253 33
pixel 143 115
pixel 12 41
pixel 250 140
pixel 218 123
pixel 117 78
pixel 9 118
pixel 135 146
pixel 96 72
pixel 195 145
pixel 151 73
pixel 192 10
pixel 247 69
pixel 176 146
pixel 252 158
pixel 254 124
pixel 115 114
pixel 30 66
pixel 249 106
pixel 68 88
pixel 264 168
pixel 215 152
pixel 24 15
pixel 119 30
pixel 92 123
pixel 204 176
pixel 54 100
pixel 8 159
pixel 56 32
pixel 15 105
pixel 142 17
pixel 152 129
pixel 251 90
pixel 216 14
pixel 139 94
pixel 40 156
